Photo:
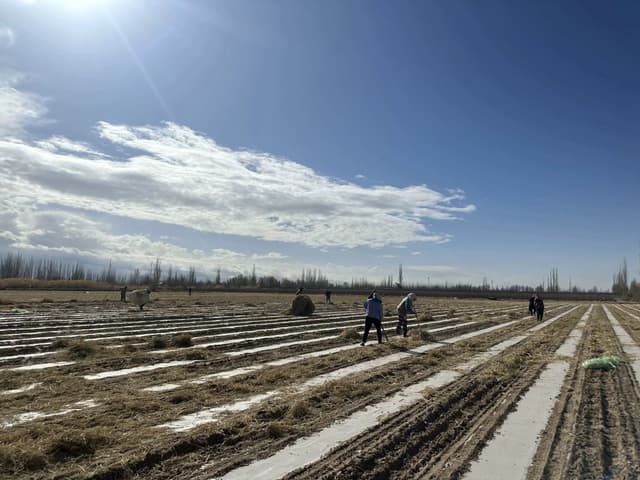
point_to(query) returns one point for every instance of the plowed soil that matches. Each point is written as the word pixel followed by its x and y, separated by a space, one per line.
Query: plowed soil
pixel 594 431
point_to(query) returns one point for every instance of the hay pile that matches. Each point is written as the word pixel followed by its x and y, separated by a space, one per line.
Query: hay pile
pixel 422 335
pixel 350 334
pixel 302 305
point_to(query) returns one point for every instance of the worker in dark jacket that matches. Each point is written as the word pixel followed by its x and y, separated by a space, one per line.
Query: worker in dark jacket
pixel 532 305
pixel 539 308
pixel 373 304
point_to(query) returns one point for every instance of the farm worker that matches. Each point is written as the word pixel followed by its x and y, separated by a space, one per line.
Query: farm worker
pixel 532 305
pixel 539 308
pixel 299 291
pixel 373 304
pixel 123 294
pixel 140 297
pixel 189 291
pixel 404 308
pixel 327 296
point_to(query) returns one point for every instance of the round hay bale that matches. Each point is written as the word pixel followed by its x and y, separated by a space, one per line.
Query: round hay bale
pixel 302 305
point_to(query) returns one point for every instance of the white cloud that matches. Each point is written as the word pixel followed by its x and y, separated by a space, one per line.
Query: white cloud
pixel 18 109
pixel 177 176
pixel 66 234
pixel 416 253
pixel 432 268
pixel 7 37
pixel 360 176
pixel 60 143
pixel 269 256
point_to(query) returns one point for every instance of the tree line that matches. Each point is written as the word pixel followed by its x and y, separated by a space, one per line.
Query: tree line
pixel 622 286
pixel 17 266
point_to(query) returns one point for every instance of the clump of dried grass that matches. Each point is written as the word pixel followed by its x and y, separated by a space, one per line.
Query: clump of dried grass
pixel 182 340
pixel 277 430
pixel 72 444
pixel 299 409
pixel 80 349
pixel 451 313
pixel 60 343
pixel 14 460
pixel 180 398
pixel 198 354
pixel 426 317
pixel 350 334
pixel 158 343
pixel 421 334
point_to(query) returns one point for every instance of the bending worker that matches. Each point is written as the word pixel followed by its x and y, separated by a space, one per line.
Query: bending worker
pixel 404 308
pixel 373 304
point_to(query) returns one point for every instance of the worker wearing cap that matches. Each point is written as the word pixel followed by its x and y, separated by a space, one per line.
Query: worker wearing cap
pixel 404 308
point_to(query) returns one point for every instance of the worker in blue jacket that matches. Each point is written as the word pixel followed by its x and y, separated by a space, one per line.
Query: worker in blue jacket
pixel 373 305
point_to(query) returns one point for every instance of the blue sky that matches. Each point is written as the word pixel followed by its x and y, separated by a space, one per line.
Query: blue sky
pixel 461 139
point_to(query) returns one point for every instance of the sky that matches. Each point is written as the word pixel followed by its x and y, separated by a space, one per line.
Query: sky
pixel 463 140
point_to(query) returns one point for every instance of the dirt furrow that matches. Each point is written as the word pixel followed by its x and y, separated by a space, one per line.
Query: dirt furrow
pixel 597 426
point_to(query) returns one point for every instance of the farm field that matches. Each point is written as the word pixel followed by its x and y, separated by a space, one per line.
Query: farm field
pixel 226 385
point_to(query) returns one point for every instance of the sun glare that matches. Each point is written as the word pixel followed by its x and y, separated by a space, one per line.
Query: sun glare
pixel 82 4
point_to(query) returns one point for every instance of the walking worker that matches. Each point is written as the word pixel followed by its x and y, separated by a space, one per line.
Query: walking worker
pixel 123 294
pixel 532 305
pixel 373 304
pixel 404 308
pixel 539 308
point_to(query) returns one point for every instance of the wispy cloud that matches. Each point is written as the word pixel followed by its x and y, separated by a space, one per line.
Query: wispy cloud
pixel 18 109
pixel 432 268
pixel 177 176
pixel 63 144
pixel 7 37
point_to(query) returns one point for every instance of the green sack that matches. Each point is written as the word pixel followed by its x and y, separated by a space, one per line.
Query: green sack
pixel 604 363
pixel 18 310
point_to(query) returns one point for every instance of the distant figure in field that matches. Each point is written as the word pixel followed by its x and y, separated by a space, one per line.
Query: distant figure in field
pixel 539 308
pixel 300 290
pixel 532 305
pixel 373 304
pixel 189 291
pixel 123 294
pixel 140 297
pixel 404 308
pixel 327 296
